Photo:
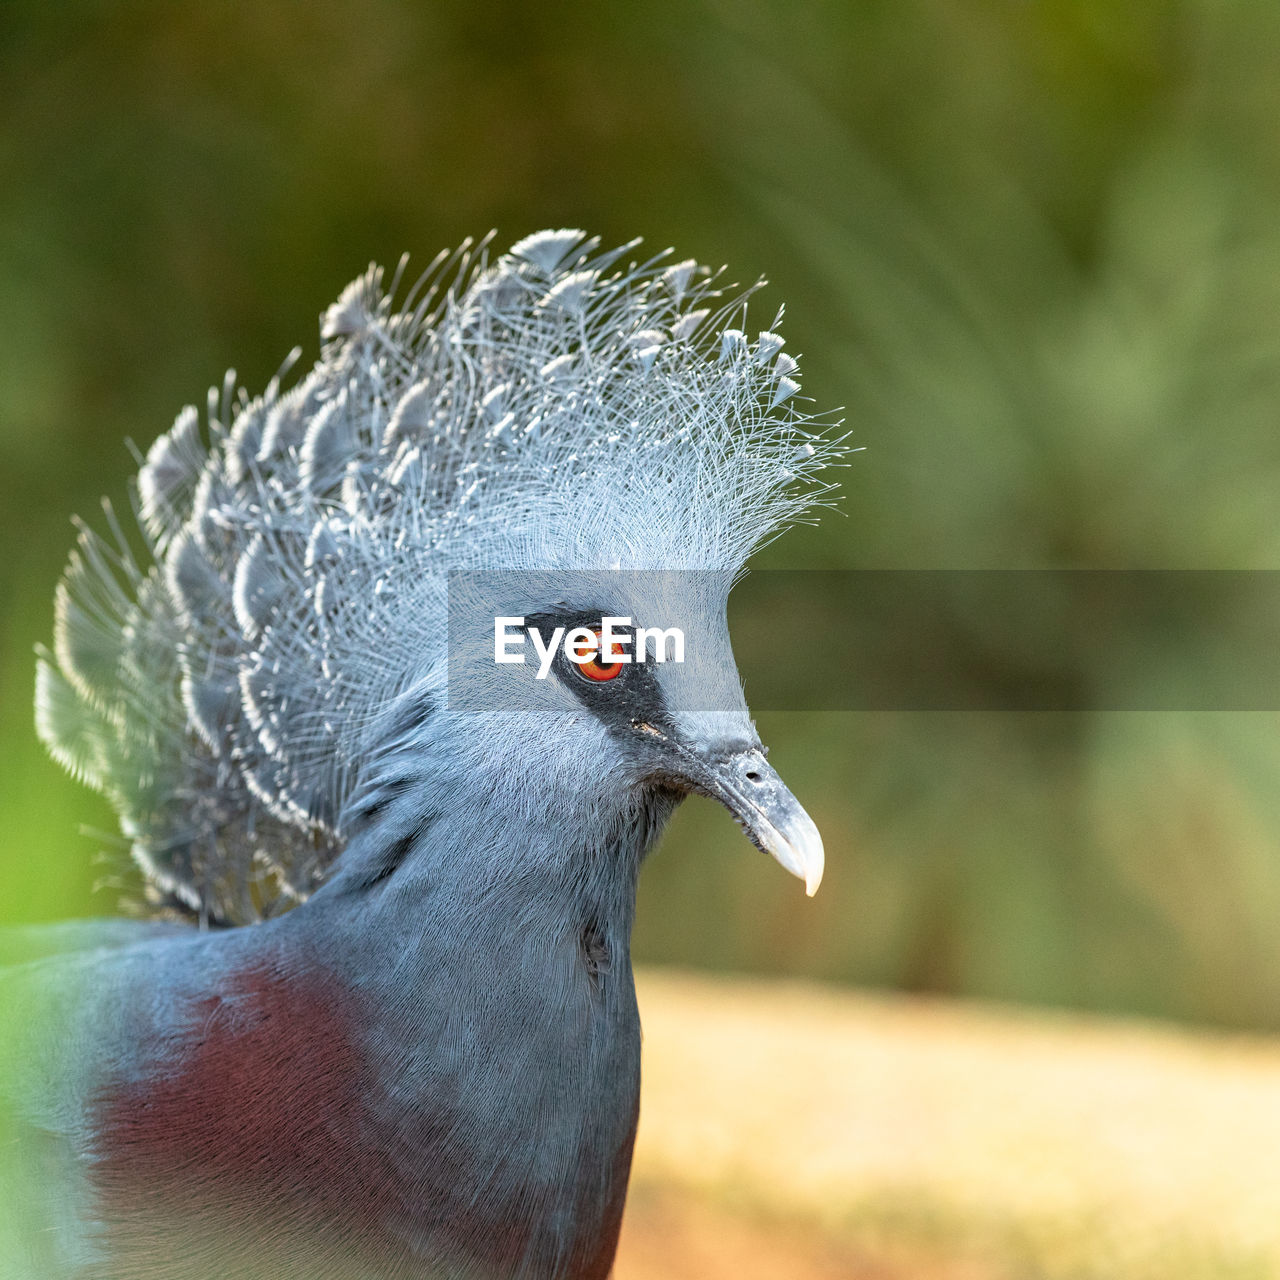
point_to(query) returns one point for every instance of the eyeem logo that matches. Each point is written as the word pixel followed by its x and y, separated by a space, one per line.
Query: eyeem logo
pixel 583 644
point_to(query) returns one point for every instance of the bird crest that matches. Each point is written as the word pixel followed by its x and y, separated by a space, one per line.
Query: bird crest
pixel 557 407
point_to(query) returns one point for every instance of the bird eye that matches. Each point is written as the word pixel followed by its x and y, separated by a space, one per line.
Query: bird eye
pixel 594 669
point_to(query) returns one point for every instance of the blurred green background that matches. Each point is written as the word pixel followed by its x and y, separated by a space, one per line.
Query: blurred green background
pixel 1032 246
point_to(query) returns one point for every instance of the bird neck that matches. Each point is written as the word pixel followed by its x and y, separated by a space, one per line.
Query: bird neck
pixel 493 972
pixel 476 829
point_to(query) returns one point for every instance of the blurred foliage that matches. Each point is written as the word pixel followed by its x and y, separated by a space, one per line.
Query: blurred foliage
pixel 1032 248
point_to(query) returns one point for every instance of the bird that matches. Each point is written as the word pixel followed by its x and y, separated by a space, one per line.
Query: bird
pixel 371 1013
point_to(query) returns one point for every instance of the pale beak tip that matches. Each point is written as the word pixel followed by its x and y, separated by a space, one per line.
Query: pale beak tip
pixel 814 867
pixel 804 856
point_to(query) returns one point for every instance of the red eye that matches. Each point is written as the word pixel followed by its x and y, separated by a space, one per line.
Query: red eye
pixel 594 669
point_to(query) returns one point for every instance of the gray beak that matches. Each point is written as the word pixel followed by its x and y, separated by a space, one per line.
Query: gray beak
pixel 748 786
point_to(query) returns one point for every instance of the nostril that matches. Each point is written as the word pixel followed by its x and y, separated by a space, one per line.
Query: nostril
pixel 752 776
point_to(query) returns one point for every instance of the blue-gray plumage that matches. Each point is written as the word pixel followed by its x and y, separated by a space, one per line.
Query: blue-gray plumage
pixel 428 1066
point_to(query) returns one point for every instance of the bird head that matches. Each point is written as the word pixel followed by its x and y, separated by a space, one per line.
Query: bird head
pixel 557 434
pixel 628 676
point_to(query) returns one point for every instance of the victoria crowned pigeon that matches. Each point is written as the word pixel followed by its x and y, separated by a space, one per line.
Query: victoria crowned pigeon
pixel 381 1020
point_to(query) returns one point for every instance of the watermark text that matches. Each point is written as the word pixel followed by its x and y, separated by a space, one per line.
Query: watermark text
pixel 615 638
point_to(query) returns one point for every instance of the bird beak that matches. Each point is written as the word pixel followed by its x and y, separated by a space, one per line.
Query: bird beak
pixel 747 785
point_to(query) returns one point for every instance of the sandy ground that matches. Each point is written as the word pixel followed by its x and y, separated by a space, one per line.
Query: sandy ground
pixel 681 1237
pixel 790 1131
